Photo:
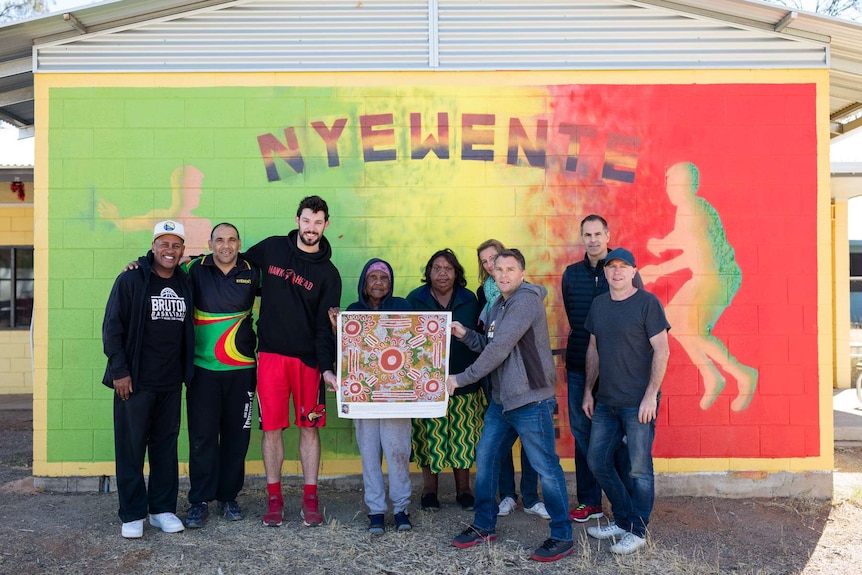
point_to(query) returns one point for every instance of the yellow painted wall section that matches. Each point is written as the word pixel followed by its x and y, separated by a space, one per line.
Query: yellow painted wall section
pixel 16 374
pixel 16 369
pixel 825 290
pixel 16 224
pixel 841 294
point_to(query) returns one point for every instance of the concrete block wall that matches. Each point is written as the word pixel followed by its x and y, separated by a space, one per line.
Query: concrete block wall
pixel 525 157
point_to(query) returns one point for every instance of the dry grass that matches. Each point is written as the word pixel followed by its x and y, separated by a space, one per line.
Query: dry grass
pixel 69 534
pixel 53 533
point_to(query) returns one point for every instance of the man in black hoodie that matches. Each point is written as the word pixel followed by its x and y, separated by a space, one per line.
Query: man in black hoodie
pixel 148 336
pixel 299 285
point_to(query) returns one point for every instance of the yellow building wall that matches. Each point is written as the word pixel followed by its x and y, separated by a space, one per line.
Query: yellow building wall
pixel 841 294
pixel 16 368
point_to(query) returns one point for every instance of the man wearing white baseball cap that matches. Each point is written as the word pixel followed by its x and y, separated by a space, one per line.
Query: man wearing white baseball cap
pixel 148 337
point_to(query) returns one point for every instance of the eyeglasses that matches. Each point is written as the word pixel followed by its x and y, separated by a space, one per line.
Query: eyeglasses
pixel 442 269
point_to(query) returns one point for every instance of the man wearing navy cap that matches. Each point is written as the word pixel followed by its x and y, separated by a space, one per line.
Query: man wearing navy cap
pixel 628 335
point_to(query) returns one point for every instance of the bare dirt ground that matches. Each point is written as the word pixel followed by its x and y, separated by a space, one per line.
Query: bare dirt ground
pixel 46 533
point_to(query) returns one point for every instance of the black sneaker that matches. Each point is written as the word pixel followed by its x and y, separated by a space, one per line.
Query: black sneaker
pixel 197 515
pixel 474 536
pixel 466 501
pixel 230 510
pixel 376 526
pixel 430 502
pixel 553 550
pixel 402 522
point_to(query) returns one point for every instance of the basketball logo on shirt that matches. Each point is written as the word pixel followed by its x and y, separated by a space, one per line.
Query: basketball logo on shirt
pixel 167 306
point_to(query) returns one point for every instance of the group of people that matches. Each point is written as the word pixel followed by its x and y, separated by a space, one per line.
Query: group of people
pixel 167 323
pixel 164 327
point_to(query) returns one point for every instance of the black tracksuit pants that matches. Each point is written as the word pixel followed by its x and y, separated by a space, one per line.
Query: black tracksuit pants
pixel 219 407
pixel 148 423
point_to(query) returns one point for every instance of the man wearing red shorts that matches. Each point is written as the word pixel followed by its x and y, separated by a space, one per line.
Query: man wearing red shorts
pixel 298 287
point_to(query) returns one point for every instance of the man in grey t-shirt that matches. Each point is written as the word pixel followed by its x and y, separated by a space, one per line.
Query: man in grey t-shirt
pixel 628 334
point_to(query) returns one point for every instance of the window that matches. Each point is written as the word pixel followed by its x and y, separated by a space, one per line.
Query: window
pixel 16 287
pixel 855 309
pixel 855 284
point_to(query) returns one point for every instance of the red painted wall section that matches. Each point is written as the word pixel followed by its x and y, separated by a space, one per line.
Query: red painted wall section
pixel 722 218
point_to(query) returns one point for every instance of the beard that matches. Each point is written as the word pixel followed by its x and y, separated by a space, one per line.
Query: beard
pixel 309 243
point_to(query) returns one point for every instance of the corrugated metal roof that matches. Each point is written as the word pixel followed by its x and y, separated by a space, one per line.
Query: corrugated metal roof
pixel 273 35
pixel 262 35
pixel 18 39
pixel 609 35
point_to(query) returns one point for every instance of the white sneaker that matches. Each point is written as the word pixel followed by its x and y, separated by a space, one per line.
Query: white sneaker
pixel 606 531
pixel 507 505
pixel 538 509
pixel 133 529
pixel 167 522
pixel 628 544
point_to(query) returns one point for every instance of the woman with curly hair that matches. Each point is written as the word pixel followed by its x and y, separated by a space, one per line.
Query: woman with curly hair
pixel 449 441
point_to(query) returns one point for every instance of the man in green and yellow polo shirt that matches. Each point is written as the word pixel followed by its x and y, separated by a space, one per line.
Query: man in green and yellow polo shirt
pixel 220 396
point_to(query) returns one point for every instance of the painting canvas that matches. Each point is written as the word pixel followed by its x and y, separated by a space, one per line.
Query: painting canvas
pixel 393 364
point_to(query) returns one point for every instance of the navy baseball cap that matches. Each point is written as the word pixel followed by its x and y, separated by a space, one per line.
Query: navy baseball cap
pixel 621 254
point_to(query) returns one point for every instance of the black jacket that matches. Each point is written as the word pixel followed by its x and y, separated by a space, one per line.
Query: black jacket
pixel 297 290
pixel 465 309
pixel 123 326
pixel 581 283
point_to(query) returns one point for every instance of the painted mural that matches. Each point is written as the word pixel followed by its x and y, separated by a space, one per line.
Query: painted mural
pixel 185 198
pixel 701 246
pixel 712 186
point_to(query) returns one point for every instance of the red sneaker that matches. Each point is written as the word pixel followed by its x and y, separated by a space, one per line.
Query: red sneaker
pixel 583 513
pixel 311 516
pixel 275 511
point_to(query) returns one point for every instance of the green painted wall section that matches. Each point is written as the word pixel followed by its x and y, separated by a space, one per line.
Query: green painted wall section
pixel 115 151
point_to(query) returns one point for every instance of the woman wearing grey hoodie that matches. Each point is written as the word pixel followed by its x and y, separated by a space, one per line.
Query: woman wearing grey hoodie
pixel 379 437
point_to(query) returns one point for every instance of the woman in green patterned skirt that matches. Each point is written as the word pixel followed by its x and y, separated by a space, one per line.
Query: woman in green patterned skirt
pixel 449 441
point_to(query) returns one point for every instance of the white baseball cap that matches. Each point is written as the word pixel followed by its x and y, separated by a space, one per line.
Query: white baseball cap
pixel 169 227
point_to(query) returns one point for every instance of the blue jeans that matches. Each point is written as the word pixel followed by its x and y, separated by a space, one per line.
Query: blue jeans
pixel 534 423
pixel 529 479
pixel 631 506
pixel 586 486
